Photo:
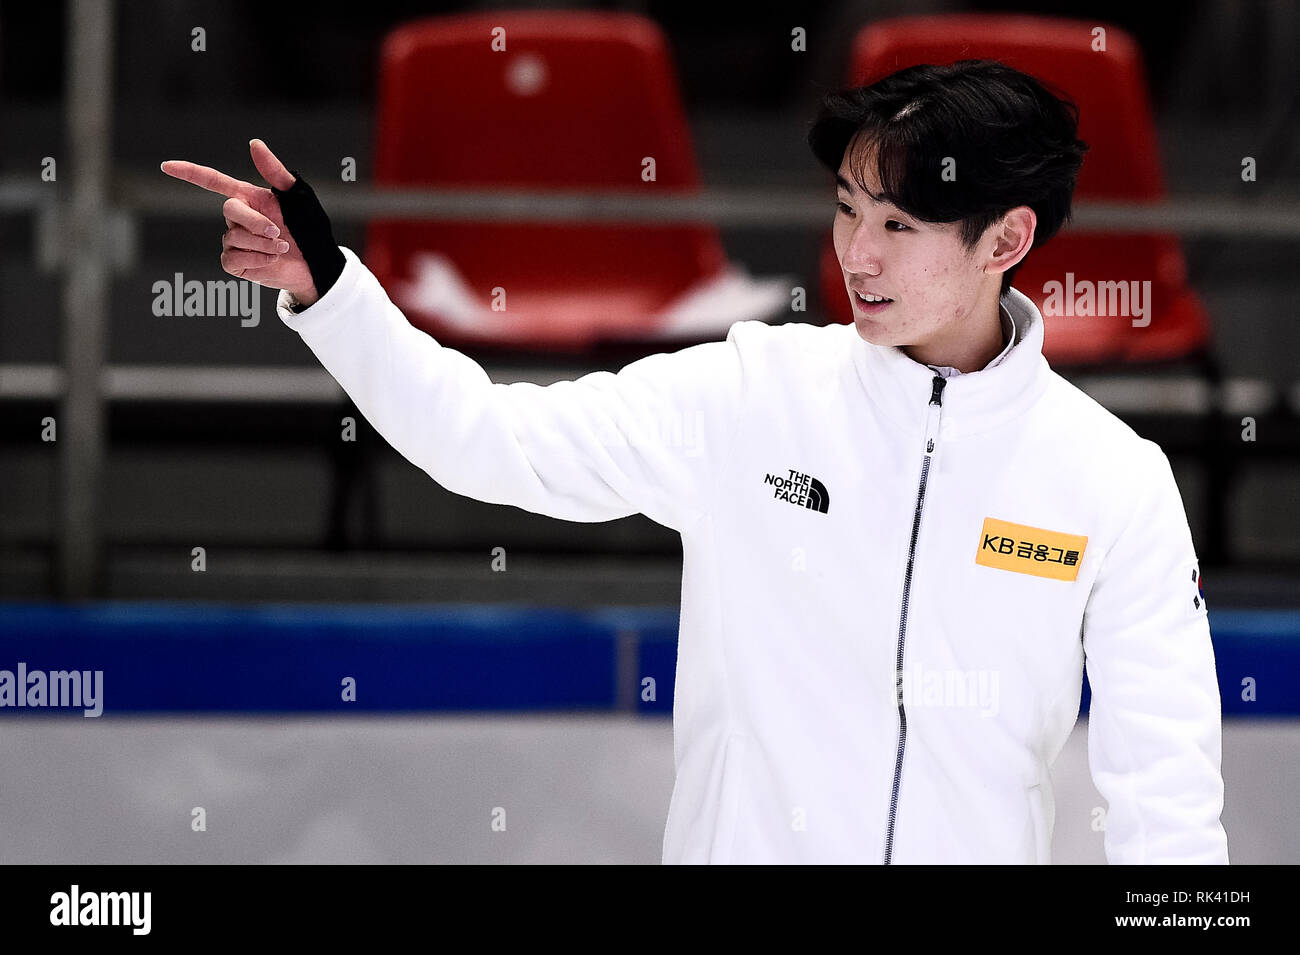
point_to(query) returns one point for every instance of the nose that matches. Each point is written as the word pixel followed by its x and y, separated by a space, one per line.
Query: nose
pixel 862 253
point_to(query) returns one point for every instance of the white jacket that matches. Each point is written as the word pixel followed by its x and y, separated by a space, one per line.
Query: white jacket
pixel 889 586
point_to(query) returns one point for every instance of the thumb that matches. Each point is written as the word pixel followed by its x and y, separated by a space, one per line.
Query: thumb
pixel 272 170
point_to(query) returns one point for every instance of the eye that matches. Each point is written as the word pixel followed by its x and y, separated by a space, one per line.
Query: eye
pixel 844 207
pixel 895 222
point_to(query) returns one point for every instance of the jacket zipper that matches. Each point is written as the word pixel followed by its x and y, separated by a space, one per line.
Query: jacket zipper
pixel 935 408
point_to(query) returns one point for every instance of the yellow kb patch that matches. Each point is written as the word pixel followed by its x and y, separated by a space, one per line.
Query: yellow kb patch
pixel 1030 550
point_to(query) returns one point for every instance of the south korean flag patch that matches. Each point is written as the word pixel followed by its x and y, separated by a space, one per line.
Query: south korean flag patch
pixel 1196 594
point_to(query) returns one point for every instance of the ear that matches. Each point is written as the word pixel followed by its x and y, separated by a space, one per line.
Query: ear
pixel 1013 236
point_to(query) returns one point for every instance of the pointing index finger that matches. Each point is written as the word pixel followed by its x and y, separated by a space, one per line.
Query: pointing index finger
pixel 205 177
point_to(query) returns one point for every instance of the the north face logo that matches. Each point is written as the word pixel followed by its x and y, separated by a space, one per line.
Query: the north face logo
pixel 802 489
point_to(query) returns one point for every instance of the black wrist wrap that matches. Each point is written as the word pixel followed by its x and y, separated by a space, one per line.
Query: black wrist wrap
pixel 310 228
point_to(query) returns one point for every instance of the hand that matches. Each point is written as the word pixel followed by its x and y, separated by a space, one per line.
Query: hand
pixel 256 245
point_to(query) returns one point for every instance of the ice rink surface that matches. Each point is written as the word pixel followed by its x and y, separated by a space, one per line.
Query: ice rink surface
pixel 575 788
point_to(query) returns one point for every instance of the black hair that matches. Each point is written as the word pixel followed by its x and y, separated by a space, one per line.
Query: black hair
pixel 1013 141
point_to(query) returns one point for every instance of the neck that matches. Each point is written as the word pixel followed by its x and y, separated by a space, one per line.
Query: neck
pixel 980 342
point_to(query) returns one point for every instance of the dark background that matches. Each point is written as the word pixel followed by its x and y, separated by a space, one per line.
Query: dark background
pixel 303 77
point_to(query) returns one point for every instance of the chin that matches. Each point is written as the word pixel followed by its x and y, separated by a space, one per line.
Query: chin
pixel 872 333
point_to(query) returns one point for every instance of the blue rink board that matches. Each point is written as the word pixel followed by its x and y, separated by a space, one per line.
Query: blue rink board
pixel 219 658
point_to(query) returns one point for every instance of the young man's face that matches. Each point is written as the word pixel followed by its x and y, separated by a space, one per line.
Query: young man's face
pixel 934 283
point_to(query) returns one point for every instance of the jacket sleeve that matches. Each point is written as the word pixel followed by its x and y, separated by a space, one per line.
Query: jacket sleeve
pixel 647 439
pixel 1154 724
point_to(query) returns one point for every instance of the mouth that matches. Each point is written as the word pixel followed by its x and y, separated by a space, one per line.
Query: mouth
pixel 869 303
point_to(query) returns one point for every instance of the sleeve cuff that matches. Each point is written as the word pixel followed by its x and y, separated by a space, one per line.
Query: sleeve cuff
pixel 327 310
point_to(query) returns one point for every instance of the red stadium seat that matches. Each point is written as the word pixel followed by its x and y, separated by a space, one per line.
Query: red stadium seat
pixel 576 101
pixel 1122 164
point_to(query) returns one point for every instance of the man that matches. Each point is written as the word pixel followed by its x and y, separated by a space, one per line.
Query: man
pixel 902 539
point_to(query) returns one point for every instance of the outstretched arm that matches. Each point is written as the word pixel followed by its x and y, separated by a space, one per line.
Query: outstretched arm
pixel 653 438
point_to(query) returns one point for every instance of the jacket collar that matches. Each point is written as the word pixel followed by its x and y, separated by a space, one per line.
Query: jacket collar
pixel 972 402
pixel 1009 329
